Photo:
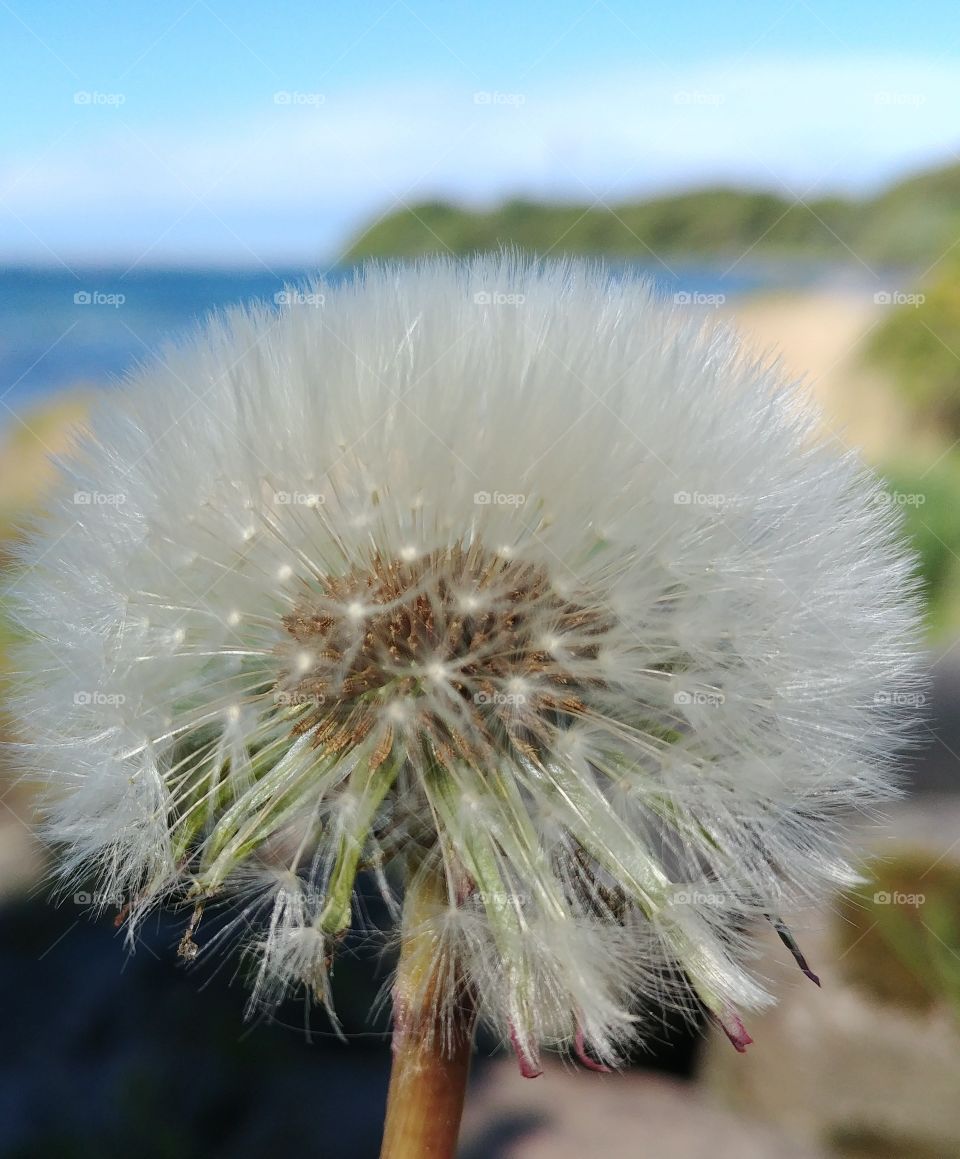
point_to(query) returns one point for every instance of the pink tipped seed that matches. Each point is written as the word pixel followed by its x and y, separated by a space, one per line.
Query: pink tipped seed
pixel 733 1028
pixel 580 1050
pixel 529 1067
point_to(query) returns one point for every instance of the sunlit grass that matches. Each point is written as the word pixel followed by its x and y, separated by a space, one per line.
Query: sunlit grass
pixel 929 497
pixel 29 446
pixel 899 934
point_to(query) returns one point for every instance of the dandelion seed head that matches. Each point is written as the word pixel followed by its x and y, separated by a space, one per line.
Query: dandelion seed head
pixel 566 601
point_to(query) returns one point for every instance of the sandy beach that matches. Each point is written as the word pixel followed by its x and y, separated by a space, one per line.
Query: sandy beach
pixel 819 338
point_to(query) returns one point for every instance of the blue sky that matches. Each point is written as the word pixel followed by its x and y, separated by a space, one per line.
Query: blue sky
pixel 254 134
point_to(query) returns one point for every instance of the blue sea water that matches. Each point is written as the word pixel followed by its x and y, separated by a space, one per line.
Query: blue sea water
pixel 61 329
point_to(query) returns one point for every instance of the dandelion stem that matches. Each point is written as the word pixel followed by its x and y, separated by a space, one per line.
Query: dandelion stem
pixel 431 1052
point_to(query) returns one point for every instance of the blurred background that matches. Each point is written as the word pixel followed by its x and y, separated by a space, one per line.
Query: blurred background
pixel 790 167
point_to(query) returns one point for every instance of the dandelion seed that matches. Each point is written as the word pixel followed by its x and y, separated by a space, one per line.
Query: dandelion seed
pixel 612 726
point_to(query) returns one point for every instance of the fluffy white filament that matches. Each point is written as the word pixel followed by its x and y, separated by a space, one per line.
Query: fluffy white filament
pixel 503 572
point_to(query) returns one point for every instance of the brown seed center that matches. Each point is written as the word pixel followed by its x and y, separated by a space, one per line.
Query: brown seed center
pixel 462 645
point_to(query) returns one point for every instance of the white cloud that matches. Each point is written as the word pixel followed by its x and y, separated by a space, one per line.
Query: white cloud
pixel 289 181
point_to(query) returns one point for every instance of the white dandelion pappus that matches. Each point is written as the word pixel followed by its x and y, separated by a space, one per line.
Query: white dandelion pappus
pixel 505 572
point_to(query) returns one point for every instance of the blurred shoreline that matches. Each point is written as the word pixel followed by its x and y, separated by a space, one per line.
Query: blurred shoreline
pixel 60 328
pixel 816 332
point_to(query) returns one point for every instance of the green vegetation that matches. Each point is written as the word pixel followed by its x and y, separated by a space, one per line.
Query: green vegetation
pixel 26 455
pixel 919 347
pixel 711 222
pixel 914 221
pixel 899 935
pixel 27 450
pixel 930 501
pixel 853 1143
